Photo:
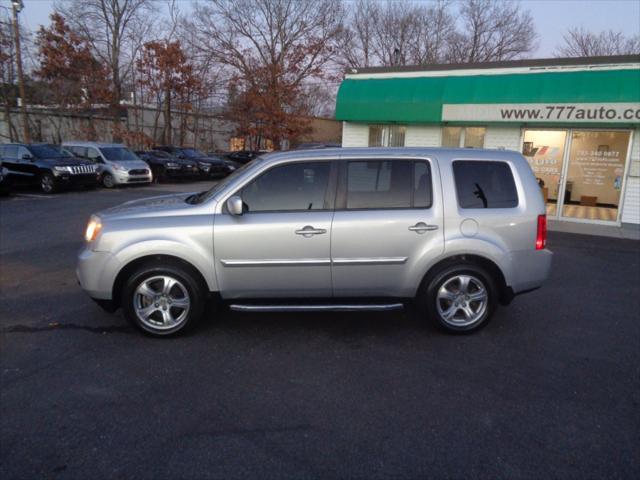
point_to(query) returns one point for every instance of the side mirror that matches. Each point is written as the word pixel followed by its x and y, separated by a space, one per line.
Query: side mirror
pixel 27 156
pixel 234 205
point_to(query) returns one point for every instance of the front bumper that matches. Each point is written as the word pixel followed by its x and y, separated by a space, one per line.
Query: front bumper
pixel 122 178
pixel 77 180
pixel 96 273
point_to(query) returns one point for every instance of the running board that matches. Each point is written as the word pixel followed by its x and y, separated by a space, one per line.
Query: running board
pixel 384 307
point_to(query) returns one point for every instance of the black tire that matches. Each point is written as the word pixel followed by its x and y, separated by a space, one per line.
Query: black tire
pixel 107 180
pixel 48 183
pixel 158 175
pixel 469 314
pixel 132 301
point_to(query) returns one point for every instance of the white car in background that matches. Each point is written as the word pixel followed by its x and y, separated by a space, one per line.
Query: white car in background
pixel 116 163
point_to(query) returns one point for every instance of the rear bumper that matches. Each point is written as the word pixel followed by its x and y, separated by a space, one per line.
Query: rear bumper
pixel 529 270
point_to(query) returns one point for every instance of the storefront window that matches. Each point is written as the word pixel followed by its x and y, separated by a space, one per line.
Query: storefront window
pixel 474 137
pixel 544 150
pixel 467 137
pixel 594 175
pixel 451 136
pixel 386 135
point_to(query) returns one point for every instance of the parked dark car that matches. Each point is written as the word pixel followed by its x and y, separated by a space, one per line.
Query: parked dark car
pixel 5 181
pixel 166 166
pixel 49 166
pixel 209 167
pixel 244 156
pixel 231 164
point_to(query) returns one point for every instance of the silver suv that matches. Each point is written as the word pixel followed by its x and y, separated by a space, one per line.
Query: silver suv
pixel 456 231
pixel 116 163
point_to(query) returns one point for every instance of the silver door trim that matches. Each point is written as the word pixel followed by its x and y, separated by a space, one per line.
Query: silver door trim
pixel 276 262
pixel 370 261
pixel 316 308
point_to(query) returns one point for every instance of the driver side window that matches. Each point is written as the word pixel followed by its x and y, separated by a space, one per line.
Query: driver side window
pixel 289 188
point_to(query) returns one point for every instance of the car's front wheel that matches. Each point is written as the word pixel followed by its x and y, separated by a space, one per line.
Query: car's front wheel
pixel 461 298
pixel 108 181
pixel 163 299
pixel 47 183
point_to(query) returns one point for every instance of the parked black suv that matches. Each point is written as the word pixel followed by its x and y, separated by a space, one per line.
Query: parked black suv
pixel 209 167
pixel 166 166
pixel 49 166
pixel 5 180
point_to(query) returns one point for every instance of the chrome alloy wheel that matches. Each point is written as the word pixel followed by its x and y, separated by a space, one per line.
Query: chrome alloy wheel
pixel 161 302
pixel 462 300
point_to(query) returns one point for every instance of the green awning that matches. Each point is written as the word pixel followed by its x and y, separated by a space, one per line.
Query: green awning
pixel 420 99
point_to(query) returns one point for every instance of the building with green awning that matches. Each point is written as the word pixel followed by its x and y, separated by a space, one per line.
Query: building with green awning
pixel 576 120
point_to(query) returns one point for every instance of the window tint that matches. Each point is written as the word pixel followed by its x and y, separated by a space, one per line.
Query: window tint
pixel 92 154
pixel 11 151
pixel 484 185
pixel 388 184
pixel 299 186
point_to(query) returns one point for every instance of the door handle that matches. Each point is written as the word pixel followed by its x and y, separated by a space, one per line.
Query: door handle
pixel 309 231
pixel 422 227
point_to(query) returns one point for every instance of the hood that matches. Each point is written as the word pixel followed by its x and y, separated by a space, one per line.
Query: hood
pixel 214 161
pixel 148 207
pixel 131 164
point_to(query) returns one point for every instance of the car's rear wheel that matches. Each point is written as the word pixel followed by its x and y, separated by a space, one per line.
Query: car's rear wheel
pixel 47 183
pixel 108 180
pixel 461 298
pixel 163 299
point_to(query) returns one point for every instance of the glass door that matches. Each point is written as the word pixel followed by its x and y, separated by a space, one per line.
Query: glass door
pixel 594 175
pixel 544 150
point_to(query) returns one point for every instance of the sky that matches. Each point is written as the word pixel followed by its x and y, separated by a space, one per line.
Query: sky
pixel 552 18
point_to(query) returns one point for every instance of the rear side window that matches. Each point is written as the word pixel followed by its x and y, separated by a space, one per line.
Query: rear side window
pixel 384 184
pixel 484 184
pixel 10 151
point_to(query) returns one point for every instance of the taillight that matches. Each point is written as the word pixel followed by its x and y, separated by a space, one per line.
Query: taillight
pixel 541 235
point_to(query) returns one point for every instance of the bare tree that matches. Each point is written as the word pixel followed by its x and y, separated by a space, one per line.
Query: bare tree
pixel 355 39
pixel 111 26
pixel 578 42
pixel 491 30
pixel 269 49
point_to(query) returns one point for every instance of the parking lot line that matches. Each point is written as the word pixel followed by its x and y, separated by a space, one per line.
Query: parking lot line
pixel 32 195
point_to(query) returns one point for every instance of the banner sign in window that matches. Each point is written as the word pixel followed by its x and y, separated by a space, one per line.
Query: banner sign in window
pixel 543 112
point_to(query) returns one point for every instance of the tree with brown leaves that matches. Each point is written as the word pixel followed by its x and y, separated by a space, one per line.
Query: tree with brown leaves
pixel 76 79
pixel 166 75
pixel 270 49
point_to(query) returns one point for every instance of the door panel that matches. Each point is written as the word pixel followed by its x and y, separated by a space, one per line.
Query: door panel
pixel 280 245
pixel 261 255
pixel 385 252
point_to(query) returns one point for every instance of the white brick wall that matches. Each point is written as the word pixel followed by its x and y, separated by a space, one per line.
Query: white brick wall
pixel 355 134
pixel 507 138
pixel 423 136
pixel 631 206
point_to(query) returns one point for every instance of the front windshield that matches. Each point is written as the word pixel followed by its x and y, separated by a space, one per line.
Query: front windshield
pixel 118 154
pixel 207 194
pixel 192 153
pixel 48 151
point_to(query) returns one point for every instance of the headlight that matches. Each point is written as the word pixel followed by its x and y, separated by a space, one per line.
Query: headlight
pixel 204 166
pixel 117 166
pixel 172 165
pixel 62 169
pixel 95 168
pixel 93 229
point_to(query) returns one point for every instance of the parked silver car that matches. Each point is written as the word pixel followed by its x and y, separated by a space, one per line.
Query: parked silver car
pixel 458 231
pixel 116 163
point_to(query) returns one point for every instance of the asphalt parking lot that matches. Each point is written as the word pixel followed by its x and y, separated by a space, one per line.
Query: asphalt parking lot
pixel 550 389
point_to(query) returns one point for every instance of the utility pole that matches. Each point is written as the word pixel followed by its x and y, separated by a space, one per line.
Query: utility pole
pixel 17 7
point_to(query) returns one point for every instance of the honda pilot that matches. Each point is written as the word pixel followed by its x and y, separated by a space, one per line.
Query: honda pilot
pixel 456 231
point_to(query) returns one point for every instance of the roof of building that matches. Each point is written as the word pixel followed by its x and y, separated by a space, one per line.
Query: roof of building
pixel 532 62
